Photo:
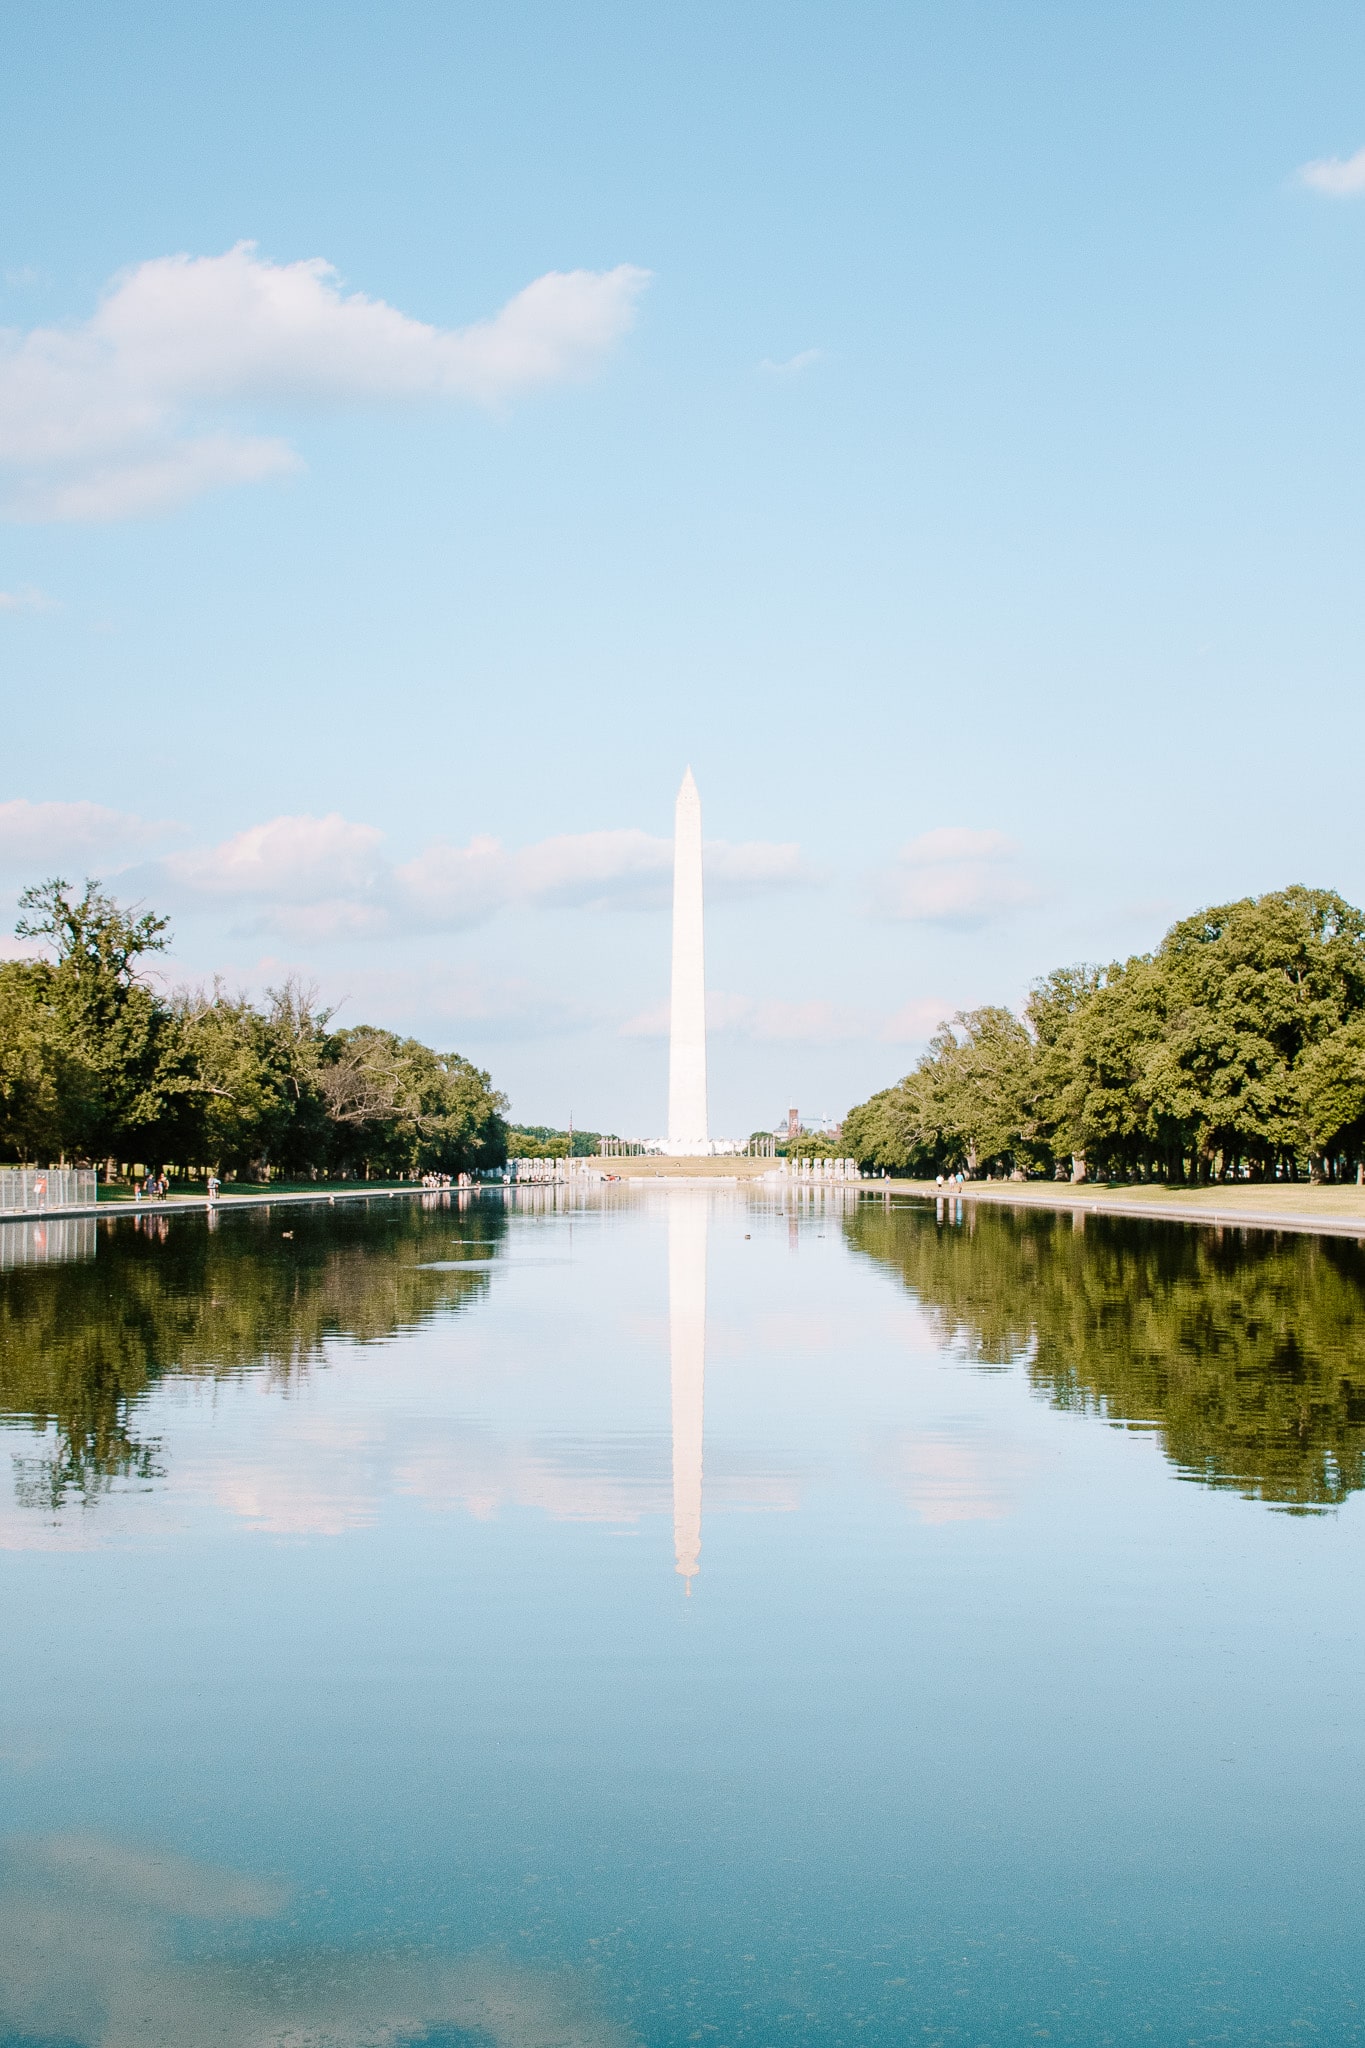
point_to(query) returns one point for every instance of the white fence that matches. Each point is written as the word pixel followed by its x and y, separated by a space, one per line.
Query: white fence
pixel 24 1189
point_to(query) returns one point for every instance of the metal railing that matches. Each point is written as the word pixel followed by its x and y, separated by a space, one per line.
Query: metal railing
pixel 25 1190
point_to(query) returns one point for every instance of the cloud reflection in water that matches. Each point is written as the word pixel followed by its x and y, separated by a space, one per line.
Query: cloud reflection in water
pixel 88 1956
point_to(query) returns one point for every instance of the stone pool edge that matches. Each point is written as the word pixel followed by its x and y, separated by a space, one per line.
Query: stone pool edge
pixel 1167 1209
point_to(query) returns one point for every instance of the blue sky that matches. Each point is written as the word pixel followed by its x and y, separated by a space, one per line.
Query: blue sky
pixel 940 427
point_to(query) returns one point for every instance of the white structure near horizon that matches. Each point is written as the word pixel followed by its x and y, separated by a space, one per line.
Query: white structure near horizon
pixel 817 1169
pixel 688 1123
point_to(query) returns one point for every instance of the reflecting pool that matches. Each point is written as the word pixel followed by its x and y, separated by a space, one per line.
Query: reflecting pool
pixel 680 1615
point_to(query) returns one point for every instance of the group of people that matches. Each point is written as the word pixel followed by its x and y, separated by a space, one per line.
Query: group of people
pixel 156 1187
pixel 440 1183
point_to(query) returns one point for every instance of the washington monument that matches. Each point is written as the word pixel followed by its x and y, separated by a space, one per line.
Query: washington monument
pixel 687 1120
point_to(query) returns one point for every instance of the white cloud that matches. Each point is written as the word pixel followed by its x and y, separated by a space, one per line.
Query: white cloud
pixel 794 365
pixel 916 1021
pixel 121 414
pixel 25 599
pixel 750 865
pixel 445 1006
pixel 53 835
pixel 454 885
pixel 953 876
pixel 653 1022
pixel 1340 177
pixel 151 479
pixel 288 860
pixel 322 877
pixel 773 1020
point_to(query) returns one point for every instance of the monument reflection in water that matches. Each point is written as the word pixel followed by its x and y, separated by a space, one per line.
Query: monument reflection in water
pixel 349 1696
pixel 688 1219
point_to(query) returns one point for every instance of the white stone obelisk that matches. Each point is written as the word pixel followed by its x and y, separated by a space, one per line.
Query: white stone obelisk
pixel 688 1221
pixel 687 1121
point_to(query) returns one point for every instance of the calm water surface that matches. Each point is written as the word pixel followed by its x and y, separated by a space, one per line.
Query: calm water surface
pixel 679 1618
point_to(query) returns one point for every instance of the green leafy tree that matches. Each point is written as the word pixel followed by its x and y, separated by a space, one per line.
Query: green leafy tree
pixel 96 1062
pixel 1096 1030
pixel 1231 1050
pixel 34 1081
pixel 982 1072
pixel 254 1099
pixel 543 1141
pixel 967 1104
pixel 109 1046
pixel 1329 1079
pixel 889 1130
pixel 398 1107
pixel 808 1144
pixel 1249 986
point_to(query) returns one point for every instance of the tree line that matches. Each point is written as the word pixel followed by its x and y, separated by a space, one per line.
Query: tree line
pixel 544 1141
pixel 99 1065
pixel 1235 1050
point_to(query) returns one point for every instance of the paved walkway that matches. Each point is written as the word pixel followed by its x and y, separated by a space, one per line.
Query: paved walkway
pixel 1329 1211
pixel 654 1166
pixel 189 1204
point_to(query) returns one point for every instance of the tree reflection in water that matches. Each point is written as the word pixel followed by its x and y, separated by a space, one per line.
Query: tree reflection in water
pixel 1246 1351
pixel 81 1345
